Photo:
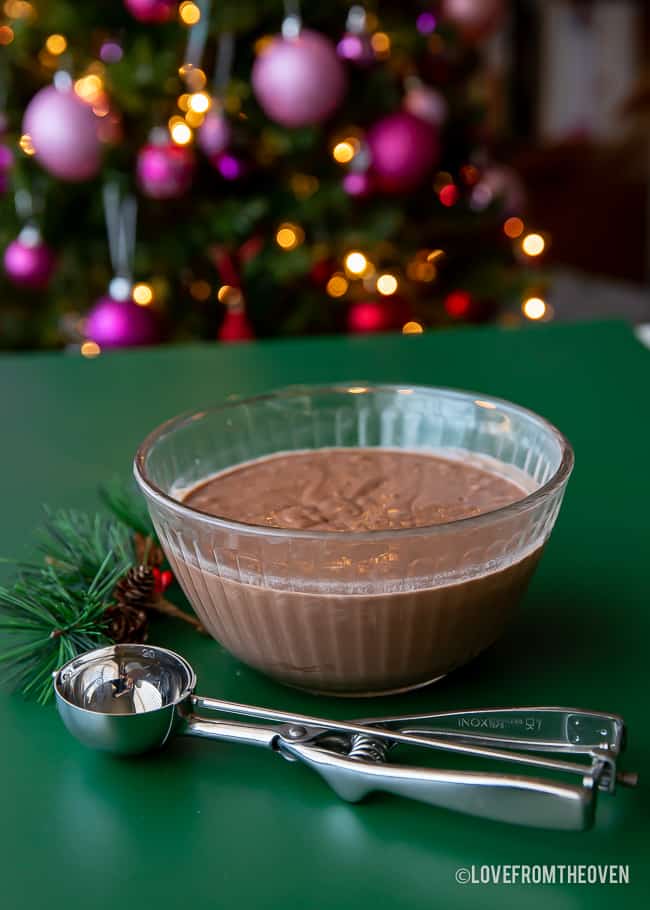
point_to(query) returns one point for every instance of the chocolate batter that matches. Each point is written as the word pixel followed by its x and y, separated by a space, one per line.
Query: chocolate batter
pixel 353 490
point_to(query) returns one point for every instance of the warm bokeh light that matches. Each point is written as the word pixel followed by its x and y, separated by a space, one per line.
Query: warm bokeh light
pixel 337 285
pixel 435 255
pixel 90 349
pixel 19 9
pixel 189 13
pixel 26 145
pixel 513 228
pixel 183 101
pixel 304 185
pixel 289 236
pixel 194 77
pixel 89 88
pixel 200 290
pixel 180 132
pixel 355 263
pixel 343 152
pixel 441 180
pixel 421 271
pixel 193 119
pixel 56 44
pixel 222 293
pixel 387 284
pixel 412 328
pixel 533 244
pixel 534 308
pixel 262 44
pixel 199 102
pixel 6 35
pixel 142 294
pixel 380 44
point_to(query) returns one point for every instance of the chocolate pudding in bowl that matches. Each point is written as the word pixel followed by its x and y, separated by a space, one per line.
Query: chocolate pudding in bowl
pixel 355 540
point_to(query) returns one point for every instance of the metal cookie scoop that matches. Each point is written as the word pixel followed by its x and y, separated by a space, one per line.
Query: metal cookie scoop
pixel 127 699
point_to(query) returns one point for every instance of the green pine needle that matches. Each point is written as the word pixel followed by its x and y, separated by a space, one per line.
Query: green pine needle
pixel 77 543
pixel 128 506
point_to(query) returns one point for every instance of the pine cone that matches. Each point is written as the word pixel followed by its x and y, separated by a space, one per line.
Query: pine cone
pixel 136 589
pixel 127 624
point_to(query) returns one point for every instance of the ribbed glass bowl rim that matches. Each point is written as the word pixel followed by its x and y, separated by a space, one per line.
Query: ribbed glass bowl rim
pixel 150 489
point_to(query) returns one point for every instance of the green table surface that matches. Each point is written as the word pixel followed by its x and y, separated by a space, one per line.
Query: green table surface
pixel 201 825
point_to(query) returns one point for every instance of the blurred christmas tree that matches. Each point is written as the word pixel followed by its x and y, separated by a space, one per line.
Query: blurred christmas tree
pixel 334 174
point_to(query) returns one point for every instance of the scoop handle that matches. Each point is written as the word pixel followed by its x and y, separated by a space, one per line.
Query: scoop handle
pixel 509 798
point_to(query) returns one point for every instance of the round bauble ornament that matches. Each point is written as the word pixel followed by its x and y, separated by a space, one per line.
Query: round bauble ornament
pixel 63 130
pixel 28 261
pixel 165 171
pixel 152 11
pixel 403 149
pixel 474 19
pixel 214 134
pixel 386 315
pixel 357 49
pixel 299 81
pixel 235 326
pixel 358 184
pixel 114 323
pixel 426 103
pixel 6 164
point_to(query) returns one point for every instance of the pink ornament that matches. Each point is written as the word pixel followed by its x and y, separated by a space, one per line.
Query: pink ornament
pixel 153 11
pixel 358 184
pixel 6 164
pixel 368 316
pixel 165 171
pixel 475 19
pixel 356 48
pixel 427 104
pixel 299 81
pixel 63 130
pixel 121 324
pixel 28 261
pixel 214 134
pixel 403 150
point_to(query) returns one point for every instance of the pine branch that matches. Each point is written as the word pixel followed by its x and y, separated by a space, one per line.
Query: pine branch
pixel 77 544
pixel 128 506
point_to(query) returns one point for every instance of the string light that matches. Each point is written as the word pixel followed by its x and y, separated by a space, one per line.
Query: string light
pixel 179 131
pixel 19 9
pixel 355 263
pixel 89 88
pixel 344 151
pixel 513 228
pixel 194 77
pixel 387 284
pixel 6 34
pixel 193 119
pixel 412 328
pixel 183 102
pixel 262 44
pixel 142 294
pixel 26 145
pixel 337 285
pixel 380 43
pixel 533 244
pixel 90 349
pixel 56 44
pixel 534 308
pixel 189 13
pixel 199 102
pixel 288 236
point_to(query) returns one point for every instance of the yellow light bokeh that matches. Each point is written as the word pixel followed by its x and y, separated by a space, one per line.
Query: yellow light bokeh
pixel 89 88
pixel 6 35
pixel 56 44
pixel 200 290
pixel 534 308
pixel 263 44
pixel 513 228
pixel 223 292
pixel 533 244
pixel 90 349
pixel 19 9
pixel 343 152
pixel 183 102
pixel 142 294
pixel 355 263
pixel 304 185
pixel 199 102
pixel 380 44
pixel 288 236
pixel 193 119
pixel 26 145
pixel 387 284
pixel 181 133
pixel 337 285
pixel 189 13
pixel 412 328
pixel 434 255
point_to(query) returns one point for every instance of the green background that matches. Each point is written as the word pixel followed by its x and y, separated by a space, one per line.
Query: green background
pixel 202 825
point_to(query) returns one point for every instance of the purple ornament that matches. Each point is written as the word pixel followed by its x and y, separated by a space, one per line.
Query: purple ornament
pixel 6 164
pixel 63 130
pixel 425 23
pixel 154 11
pixel 165 171
pixel 403 150
pixel 214 134
pixel 357 183
pixel 299 81
pixel 356 48
pixel 111 52
pixel 229 167
pixel 115 323
pixel 28 261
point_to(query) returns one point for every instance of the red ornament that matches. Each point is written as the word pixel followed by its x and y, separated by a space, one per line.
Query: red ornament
pixel 153 11
pixel 369 316
pixel 235 326
pixel 458 304
pixel 322 270
pixel 162 580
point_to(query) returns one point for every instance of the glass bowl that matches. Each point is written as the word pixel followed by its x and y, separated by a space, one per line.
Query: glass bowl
pixel 355 613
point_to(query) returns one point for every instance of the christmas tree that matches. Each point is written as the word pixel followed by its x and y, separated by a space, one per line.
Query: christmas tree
pixel 291 170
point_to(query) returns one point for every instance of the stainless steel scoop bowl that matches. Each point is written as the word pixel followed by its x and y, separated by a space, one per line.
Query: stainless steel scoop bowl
pixel 127 699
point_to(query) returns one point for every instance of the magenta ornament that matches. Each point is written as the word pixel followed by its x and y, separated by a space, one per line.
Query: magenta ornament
pixel 152 11
pixel 356 48
pixel 403 150
pixel 368 316
pixel 115 323
pixel 299 81
pixel 63 131
pixel 165 171
pixel 358 184
pixel 214 134
pixel 28 261
pixel 6 164
pixel 475 19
